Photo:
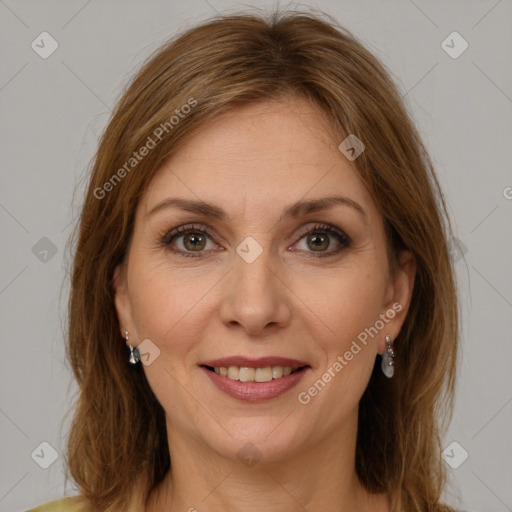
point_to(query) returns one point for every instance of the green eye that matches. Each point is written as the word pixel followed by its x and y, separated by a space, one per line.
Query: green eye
pixel 318 239
pixel 195 240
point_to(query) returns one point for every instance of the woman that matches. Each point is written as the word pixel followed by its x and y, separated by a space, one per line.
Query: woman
pixel 263 310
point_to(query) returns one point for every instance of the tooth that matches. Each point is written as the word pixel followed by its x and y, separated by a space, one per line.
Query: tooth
pixel 233 372
pixel 246 374
pixel 277 371
pixel 263 374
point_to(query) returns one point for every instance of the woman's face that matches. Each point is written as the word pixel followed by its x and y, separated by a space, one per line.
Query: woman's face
pixel 265 278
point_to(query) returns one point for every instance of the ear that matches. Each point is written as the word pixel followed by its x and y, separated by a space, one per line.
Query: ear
pixel 398 296
pixel 122 303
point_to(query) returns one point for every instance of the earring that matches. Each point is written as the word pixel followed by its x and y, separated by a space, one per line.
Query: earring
pixel 134 353
pixel 388 359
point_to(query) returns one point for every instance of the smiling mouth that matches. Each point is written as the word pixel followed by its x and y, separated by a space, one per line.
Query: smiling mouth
pixel 247 374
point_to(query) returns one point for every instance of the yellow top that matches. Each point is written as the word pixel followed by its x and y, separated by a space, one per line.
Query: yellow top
pixel 62 505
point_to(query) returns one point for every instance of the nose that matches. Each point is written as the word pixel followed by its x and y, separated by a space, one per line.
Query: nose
pixel 255 295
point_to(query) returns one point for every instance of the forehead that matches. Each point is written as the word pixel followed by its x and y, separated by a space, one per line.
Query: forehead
pixel 258 157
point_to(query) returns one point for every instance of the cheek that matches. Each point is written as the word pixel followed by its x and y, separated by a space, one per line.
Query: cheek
pixel 152 297
pixel 351 300
pixel 350 310
pixel 167 302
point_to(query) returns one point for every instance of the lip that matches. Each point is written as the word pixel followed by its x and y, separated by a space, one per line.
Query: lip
pixel 261 362
pixel 255 391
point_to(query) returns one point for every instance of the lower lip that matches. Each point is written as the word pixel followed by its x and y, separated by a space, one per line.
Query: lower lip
pixel 255 391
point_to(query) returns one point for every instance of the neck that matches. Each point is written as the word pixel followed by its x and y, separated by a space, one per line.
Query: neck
pixel 320 477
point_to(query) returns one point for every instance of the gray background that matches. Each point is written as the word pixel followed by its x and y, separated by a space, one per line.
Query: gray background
pixel 53 110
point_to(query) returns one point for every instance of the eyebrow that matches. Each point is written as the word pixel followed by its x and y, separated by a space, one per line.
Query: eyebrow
pixel 298 209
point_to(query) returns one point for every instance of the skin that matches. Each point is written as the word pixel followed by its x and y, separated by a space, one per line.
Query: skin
pixel 288 302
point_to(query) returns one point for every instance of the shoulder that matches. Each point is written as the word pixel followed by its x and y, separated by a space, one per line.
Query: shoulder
pixel 62 505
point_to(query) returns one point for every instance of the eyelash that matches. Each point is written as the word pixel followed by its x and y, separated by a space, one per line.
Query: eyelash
pixel 340 236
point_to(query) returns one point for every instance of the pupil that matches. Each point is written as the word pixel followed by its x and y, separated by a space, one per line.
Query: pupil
pixel 195 240
pixel 317 240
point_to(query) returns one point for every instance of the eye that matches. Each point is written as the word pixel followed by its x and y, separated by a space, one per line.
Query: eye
pixel 317 238
pixel 192 239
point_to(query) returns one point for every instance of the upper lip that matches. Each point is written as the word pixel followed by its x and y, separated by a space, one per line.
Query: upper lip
pixel 247 362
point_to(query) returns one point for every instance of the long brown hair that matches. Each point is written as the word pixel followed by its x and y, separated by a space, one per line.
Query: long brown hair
pixel 117 448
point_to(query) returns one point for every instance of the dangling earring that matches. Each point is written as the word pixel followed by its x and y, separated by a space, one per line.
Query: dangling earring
pixel 134 353
pixel 388 359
